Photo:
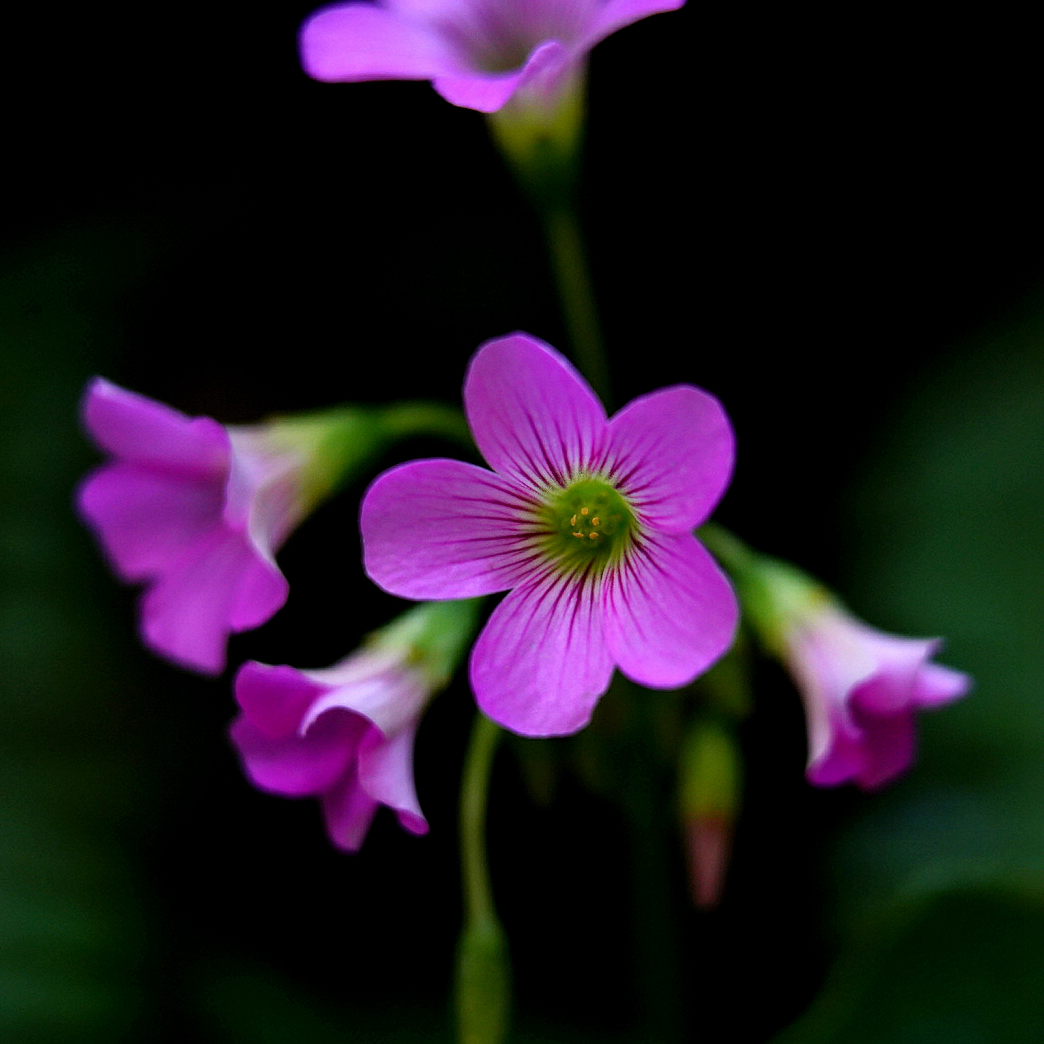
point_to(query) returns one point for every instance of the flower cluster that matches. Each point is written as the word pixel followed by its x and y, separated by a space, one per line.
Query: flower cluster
pixel 586 523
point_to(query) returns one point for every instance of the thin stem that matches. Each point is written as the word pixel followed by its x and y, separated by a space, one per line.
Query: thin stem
pixel 483 973
pixel 478 894
pixel 569 262
pixel 404 419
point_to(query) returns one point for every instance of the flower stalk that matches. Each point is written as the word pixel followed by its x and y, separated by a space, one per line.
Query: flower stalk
pixel 483 972
pixel 543 150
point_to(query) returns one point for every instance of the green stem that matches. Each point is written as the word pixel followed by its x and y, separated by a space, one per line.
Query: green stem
pixel 483 973
pixel 404 419
pixel 569 262
pixel 478 895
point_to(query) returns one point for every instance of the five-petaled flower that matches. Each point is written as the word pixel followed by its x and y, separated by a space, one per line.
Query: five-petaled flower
pixel 861 689
pixel 345 734
pixel 588 521
pixel 195 510
pixel 477 53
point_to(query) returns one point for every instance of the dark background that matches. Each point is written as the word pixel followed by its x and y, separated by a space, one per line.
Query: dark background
pixel 833 222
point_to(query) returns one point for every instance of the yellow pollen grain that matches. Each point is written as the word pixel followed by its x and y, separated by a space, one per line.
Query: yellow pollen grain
pixel 596 521
pixel 593 536
pixel 572 521
pixel 585 511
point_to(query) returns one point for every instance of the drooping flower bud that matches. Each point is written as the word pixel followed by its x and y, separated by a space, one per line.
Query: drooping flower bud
pixel 709 777
pixel 861 687
pixel 345 734
pixel 196 510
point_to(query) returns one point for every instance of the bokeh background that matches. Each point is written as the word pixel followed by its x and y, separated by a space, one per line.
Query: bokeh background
pixel 833 223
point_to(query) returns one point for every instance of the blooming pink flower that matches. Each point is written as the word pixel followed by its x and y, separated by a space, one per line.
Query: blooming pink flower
pixel 861 689
pixel 477 53
pixel 588 521
pixel 345 734
pixel 195 511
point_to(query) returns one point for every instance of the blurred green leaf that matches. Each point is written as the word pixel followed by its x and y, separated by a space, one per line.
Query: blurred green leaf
pixel 71 924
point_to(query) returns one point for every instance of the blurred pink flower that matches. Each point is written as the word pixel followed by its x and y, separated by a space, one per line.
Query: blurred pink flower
pixel 345 734
pixel 195 511
pixel 587 520
pixel 862 690
pixel 477 53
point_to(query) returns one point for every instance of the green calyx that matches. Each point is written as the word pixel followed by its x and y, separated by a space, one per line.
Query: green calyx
pixel 589 525
pixel 432 637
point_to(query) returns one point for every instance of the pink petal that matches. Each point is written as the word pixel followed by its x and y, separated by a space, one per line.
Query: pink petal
pixel 360 41
pixel 146 519
pixel 533 417
pixel 275 699
pixel 348 811
pixel 299 766
pixel 541 663
pixel 837 754
pixel 672 454
pixel 134 428
pixel 615 14
pixel 436 529
pixel 936 685
pixel 386 774
pixel 670 612
pixel 186 614
pixel 488 92
pixel 888 744
pixel 260 592
pixel 391 701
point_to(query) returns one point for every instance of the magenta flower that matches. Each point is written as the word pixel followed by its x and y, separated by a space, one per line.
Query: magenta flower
pixel 588 521
pixel 345 734
pixel 195 511
pixel 862 689
pixel 477 53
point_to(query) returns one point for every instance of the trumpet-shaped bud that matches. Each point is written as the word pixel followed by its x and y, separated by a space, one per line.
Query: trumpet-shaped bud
pixel 345 734
pixel 196 510
pixel 862 688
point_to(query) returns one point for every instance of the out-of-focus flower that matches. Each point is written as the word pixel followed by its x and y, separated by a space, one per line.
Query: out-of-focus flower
pixel 588 521
pixel 196 510
pixel 345 734
pixel 862 688
pixel 477 53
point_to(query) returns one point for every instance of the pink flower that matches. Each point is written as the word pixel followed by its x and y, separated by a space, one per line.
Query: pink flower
pixel 195 511
pixel 587 521
pixel 345 734
pixel 862 689
pixel 477 53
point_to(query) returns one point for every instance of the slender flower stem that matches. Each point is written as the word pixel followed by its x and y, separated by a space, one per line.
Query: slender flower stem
pixel 403 419
pixel 543 148
pixel 478 895
pixel 569 262
pixel 483 974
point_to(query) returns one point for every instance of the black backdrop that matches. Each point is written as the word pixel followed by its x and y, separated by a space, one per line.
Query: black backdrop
pixel 801 211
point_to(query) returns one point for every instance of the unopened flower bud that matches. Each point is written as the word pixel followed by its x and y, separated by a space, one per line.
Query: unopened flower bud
pixel 710 784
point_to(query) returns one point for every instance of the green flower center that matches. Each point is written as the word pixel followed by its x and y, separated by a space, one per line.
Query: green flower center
pixel 588 525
